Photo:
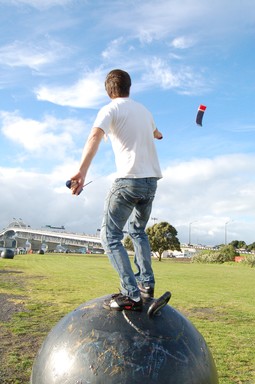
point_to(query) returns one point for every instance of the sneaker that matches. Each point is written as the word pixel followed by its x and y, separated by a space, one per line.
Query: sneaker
pixel 147 292
pixel 120 302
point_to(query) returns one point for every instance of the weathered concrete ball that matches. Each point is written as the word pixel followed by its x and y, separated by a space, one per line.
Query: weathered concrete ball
pixel 96 345
pixel 7 254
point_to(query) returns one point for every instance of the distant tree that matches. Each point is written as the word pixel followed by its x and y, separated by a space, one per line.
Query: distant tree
pixel 234 243
pixel 238 244
pixel 163 236
pixel 242 245
pixel 128 244
pixel 251 247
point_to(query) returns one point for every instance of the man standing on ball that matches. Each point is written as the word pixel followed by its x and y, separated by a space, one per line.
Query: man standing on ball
pixel 131 129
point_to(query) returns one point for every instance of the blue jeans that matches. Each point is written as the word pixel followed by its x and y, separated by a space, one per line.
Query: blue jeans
pixel 129 200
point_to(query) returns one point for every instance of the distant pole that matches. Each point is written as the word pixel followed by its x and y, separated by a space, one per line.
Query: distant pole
pixel 226 232
pixel 154 219
pixel 190 224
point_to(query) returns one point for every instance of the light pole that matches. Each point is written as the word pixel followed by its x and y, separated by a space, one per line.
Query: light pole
pixel 226 231
pixel 190 224
pixel 154 219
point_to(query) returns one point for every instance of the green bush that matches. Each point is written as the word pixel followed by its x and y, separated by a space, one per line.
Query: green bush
pixel 207 257
pixel 224 254
pixel 249 260
pixel 228 253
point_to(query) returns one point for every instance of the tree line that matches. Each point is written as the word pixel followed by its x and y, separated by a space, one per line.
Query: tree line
pixel 163 237
pixel 240 244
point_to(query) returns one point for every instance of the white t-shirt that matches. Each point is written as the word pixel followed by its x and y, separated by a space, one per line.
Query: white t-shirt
pixel 130 127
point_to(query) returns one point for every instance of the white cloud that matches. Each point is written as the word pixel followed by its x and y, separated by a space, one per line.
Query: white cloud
pixel 208 194
pixel 51 135
pixel 88 92
pixel 38 3
pixel 41 199
pixel 182 42
pixel 113 49
pixel 170 18
pixel 20 54
pixel 204 169
pixel 182 78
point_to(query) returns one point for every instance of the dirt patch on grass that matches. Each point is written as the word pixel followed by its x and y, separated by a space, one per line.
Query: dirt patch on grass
pixel 16 350
pixel 202 313
pixel 9 306
pixel 10 303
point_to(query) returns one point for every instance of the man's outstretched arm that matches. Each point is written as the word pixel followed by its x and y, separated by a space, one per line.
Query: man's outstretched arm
pixel 89 151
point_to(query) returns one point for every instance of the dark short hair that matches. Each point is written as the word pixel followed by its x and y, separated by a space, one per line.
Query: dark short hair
pixel 117 83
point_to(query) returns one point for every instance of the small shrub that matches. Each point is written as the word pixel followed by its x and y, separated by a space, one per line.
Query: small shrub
pixel 249 260
pixel 207 257
pixel 224 254
pixel 228 253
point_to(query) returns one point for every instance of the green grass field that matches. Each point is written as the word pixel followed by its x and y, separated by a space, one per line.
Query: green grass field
pixel 217 299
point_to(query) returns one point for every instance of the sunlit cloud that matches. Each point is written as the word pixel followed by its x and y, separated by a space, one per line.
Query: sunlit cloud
pixel 182 42
pixel 113 49
pixel 18 54
pixel 209 192
pixel 39 4
pixel 37 137
pixel 88 92
pixel 184 79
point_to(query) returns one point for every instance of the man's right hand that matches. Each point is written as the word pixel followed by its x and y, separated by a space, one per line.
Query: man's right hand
pixel 77 183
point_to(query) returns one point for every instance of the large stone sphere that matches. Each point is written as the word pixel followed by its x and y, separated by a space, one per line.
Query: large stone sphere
pixel 7 254
pixel 96 345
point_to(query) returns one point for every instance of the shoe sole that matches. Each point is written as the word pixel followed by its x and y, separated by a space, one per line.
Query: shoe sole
pixel 119 309
pixel 122 309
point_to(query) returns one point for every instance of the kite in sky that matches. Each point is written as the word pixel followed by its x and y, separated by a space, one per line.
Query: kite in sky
pixel 200 114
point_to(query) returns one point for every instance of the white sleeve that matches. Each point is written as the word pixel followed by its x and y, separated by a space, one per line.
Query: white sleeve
pixel 103 119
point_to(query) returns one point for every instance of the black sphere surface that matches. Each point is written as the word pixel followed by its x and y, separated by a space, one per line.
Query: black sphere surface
pixel 7 254
pixel 96 345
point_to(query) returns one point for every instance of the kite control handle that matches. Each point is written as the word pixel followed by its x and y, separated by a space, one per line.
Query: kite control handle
pixel 71 183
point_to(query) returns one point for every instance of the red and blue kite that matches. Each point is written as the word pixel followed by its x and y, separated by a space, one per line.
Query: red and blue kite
pixel 200 114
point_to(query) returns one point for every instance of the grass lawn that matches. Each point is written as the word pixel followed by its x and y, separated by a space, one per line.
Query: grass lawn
pixel 37 290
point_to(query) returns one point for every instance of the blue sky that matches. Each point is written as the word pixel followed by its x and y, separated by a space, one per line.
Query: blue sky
pixel 54 56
